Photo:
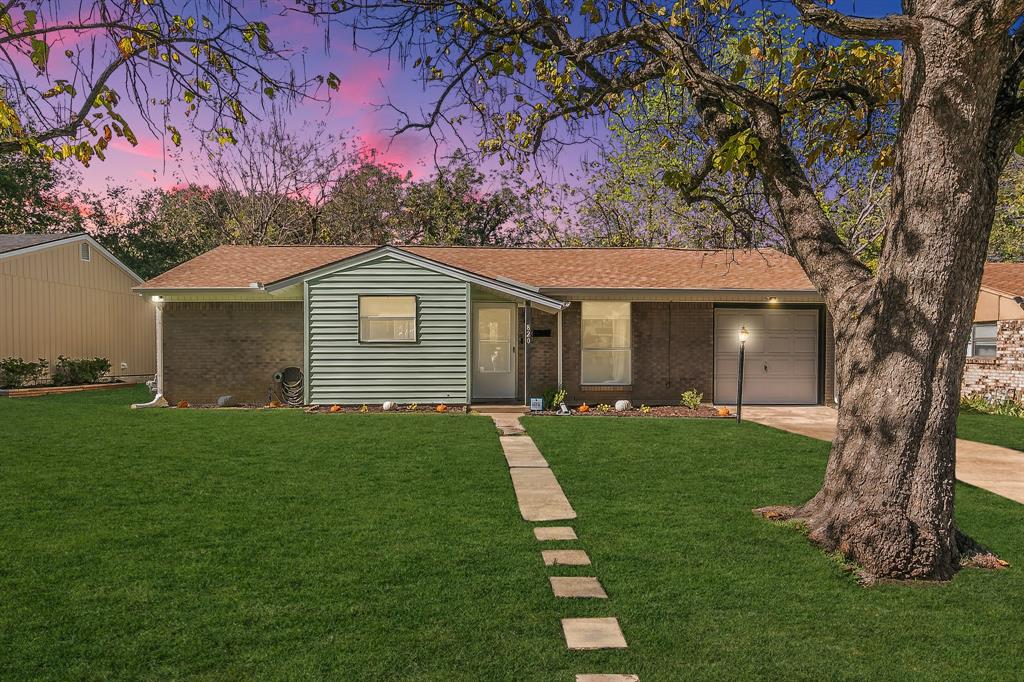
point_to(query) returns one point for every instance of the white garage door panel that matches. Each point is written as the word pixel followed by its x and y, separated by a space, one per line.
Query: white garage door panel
pixel 781 365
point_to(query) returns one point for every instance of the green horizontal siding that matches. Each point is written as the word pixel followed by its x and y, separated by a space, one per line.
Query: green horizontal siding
pixel 342 370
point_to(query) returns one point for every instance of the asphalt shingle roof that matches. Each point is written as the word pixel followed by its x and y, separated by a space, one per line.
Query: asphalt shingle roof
pixel 14 242
pixel 544 268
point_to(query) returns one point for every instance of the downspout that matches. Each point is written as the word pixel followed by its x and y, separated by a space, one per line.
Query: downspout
pixel 158 400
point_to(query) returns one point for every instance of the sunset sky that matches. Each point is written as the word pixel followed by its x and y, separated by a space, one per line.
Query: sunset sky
pixel 367 80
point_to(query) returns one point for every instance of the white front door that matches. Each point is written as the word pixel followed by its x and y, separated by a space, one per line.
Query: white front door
pixel 494 351
pixel 781 363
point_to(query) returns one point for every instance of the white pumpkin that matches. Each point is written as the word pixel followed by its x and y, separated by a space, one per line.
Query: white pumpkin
pixel 622 405
pixel 388 406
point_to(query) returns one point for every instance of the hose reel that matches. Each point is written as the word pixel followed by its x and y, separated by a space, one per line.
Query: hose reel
pixel 290 379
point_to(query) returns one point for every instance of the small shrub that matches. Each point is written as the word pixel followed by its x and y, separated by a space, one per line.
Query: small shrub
pixel 73 371
pixel 558 398
pixel 604 407
pixel 645 409
pixel 979 404
pixel 15 372
pixel 691 399
pixel 364 408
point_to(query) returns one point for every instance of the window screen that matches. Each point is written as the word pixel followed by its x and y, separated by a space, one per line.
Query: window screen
pixel 605 343
pixel 387 318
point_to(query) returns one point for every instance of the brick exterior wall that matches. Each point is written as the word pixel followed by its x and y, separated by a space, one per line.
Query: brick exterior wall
pixel 673 350
pixel 215 349
pixel 1002 376
pixel 543 354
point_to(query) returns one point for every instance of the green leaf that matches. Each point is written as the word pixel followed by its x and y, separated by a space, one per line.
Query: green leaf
pixel 30 19
pixel 333 82
pixel 1019 149
pixel 40 54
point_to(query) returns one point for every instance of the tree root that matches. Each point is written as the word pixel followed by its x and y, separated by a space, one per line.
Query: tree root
pixel 972 553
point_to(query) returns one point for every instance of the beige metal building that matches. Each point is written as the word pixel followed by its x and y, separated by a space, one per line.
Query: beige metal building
pixel 64 294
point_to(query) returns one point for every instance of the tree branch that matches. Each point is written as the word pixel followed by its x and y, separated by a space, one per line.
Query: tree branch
pixel 891 27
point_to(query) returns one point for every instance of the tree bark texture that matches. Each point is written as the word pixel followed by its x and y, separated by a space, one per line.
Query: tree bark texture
pixel 887 500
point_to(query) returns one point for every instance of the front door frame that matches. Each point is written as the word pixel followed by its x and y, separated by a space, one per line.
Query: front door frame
pixel 513 349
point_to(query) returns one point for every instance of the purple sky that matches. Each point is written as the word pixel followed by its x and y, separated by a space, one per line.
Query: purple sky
pixel 366 80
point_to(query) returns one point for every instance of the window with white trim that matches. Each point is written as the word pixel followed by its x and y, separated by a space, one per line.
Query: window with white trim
pixel 605 343
pixel 387 319
pixel 84 251
pixel 983 340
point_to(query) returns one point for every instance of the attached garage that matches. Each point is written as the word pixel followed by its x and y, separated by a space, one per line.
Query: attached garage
pixel 782 365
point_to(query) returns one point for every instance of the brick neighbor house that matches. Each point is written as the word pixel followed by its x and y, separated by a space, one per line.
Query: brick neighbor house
pixel 995 356
pixel 480 325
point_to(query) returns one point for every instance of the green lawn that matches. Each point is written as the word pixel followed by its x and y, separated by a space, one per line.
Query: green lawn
pixel 992 428
pixel 273 544
pixel 200 544
pixel 704 590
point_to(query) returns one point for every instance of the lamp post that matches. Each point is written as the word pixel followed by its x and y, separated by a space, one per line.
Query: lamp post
pixel 744 335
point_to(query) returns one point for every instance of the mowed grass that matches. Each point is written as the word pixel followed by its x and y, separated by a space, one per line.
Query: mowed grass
pixel 169 544
pixel 705 590
pixel 992 428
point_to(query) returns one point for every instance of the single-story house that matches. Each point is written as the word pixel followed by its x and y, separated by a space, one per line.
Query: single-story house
pixel 64 294
pixel 995 355
pixel 464 325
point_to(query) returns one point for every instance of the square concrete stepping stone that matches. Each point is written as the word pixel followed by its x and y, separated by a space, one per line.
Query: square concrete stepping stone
pixel 565 557
pixel 593 633
pixel 539 495
pixel 607 678
pixel 554 533
pixel 577 586
pixel 520 451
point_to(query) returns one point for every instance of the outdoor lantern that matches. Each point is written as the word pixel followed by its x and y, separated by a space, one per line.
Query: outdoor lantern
pixel 744 335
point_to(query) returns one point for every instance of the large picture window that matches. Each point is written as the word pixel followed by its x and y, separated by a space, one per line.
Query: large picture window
pixel 983 340
pixel 387 319
pixel 605 343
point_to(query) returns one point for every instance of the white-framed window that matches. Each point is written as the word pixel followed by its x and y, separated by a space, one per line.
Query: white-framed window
pixel 387 319
pixel 983 340
pixel 84 252
pixel 605 343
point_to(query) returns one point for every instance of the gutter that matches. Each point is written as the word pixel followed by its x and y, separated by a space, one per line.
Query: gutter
pixel 158 399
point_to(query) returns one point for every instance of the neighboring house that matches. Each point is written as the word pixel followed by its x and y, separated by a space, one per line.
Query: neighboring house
pixel 995 355
pixel 64 294
pixel 436 324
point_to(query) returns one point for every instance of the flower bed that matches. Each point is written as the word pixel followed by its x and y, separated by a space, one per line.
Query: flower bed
pixel 35 391
pixel 701 412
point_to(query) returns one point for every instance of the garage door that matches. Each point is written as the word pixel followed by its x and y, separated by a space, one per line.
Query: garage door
pixel 781 365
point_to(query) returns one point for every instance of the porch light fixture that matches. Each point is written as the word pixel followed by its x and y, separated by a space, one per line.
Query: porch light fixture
pixel 744 335
pixel 156 299
pixel 772 299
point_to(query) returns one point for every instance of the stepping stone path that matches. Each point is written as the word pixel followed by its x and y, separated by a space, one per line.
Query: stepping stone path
pixel 577 586
pixel 541 498
pixel 546 533
pixel 593 633
pixel 565 557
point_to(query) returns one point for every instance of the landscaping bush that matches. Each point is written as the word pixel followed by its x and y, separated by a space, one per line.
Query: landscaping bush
pixel 691 399
pixel 977 403
pixel 73 371
pixel 15 372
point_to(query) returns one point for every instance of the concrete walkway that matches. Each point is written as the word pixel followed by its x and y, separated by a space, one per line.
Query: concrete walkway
pixel 996 469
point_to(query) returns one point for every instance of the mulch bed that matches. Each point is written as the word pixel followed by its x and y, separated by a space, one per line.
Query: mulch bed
pixel 702 412
pixel 36 391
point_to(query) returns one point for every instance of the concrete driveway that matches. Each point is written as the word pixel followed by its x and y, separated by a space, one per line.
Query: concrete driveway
pixel 996 469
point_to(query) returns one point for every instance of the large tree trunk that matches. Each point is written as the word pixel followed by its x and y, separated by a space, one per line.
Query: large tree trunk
pixel 887 498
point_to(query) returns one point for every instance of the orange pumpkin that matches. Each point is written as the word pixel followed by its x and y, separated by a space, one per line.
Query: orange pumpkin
pixel 441 408
pixel 584 408
pixel 335 408
pixel 274 403
pixel 183 404
pixel 723 411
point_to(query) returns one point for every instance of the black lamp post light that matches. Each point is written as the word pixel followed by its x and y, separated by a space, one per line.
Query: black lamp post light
pixel 744 335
